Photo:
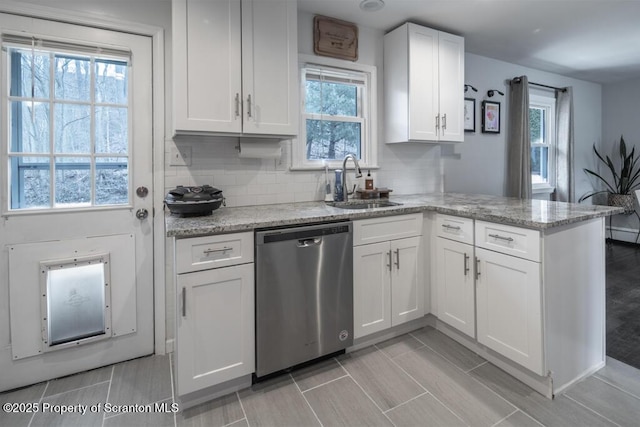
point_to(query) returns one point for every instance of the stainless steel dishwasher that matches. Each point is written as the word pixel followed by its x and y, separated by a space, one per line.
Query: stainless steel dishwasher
pixel 304 294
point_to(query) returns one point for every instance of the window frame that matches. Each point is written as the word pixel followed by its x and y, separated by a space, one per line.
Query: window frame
pixel 547 103
pixel 369 137
pixel 57 49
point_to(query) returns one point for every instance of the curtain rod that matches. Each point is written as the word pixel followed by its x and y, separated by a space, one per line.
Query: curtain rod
pixel 562 89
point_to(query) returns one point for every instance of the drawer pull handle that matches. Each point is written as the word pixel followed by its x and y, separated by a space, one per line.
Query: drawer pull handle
pixel 477 268
pixel 451 227
pixel 184 302
pixel 213 251
pixel 237 105
pixel 398 258
pixel 466 264
pixel 389 255
pixel 499 237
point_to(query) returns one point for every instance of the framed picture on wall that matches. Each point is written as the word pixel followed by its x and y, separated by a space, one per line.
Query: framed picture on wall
pixel 490 117
pixel 469 115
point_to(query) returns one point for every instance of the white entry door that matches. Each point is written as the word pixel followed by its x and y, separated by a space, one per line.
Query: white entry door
pixel 76 232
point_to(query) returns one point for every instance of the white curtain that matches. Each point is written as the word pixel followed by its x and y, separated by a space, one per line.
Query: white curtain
pixel 519 140
pixel 565 186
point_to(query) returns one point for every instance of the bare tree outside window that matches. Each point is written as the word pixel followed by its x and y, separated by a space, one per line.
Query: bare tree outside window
pixel 69 133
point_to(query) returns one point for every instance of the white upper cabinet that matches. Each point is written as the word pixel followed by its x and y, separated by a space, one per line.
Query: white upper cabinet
pixel 235 67
pixel 424 85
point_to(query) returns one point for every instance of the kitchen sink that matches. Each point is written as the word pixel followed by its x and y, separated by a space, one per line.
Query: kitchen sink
pixel 364 204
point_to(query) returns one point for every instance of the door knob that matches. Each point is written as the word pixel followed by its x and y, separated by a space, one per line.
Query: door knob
pixel 142 191
pixel 142 214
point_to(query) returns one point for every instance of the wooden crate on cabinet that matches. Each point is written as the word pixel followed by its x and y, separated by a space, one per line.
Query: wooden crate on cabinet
pixel 235 67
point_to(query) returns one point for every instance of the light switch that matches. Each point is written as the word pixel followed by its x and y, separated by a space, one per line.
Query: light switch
pixel 180 156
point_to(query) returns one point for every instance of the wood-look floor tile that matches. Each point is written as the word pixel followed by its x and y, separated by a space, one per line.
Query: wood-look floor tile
pixel 518 419
pixel 242 423
pixel 621 375
pixel 451 350
pixel 30 395
pixel 399 345
pixel 318 374
pixel 219 412
pixel 141 381
pixel 158 417
pixel 380 377
pixel 342 403
pixel 466 397
pixel 276 402
pixel 83 379
pixel 85 396
pixel 425 407
pixel 559 411
pixel 610 402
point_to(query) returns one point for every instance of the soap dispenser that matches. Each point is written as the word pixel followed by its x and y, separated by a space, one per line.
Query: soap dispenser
pixel 368 182
pixel 338 195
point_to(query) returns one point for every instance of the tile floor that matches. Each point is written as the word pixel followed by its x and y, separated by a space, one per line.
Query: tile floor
pixel 419 379
pixel 623 302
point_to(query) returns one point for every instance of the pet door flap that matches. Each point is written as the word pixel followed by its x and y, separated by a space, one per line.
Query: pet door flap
pixel 76 307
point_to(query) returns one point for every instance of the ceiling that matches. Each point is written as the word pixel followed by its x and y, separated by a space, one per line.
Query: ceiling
pixel 593 40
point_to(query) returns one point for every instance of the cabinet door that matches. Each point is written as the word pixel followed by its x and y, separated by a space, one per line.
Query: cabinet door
pixel 215 332
pixel 206 66
pixel 423 83
pixel 407 289
pixel 509 298
pixel 455 285
pixel 269 67
pixel 451 87
pixel 371 288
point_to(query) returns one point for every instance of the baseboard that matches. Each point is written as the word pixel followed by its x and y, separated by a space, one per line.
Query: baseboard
pixel 622 234
pixel 169 344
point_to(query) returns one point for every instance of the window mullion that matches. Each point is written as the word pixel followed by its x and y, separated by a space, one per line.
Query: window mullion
pixel 52 128
pixel 92 131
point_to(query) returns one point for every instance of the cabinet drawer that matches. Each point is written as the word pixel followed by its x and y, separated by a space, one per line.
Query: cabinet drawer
pixel 386 228
pixel 455 228
pixel 203 253
pixel 516 241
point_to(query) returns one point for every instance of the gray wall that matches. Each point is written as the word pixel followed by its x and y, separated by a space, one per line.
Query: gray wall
pixel 620 117
pixel 478 164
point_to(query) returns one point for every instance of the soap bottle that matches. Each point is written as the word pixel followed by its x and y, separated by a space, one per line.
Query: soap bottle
pixel 337 193
pixel 368 182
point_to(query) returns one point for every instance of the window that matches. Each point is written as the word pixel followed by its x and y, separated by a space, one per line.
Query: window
pixel 542 133
pixel 337 114
pixel 68 143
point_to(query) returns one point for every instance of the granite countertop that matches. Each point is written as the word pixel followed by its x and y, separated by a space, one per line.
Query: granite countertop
pixel 535 214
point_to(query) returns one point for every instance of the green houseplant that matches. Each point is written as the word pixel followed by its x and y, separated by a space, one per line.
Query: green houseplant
pixel 626 178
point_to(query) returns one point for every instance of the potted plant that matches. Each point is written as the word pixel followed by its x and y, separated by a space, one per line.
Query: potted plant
pixel 620 191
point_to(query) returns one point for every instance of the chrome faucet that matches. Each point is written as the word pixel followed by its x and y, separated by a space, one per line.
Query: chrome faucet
pixel 344 174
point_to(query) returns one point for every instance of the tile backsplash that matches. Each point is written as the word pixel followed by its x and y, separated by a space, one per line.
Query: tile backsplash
pixel 404 168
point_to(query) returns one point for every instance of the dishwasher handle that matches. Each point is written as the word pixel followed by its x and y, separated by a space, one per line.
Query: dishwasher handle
pixel 306 243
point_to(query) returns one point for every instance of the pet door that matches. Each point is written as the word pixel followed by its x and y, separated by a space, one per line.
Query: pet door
pixel 76 307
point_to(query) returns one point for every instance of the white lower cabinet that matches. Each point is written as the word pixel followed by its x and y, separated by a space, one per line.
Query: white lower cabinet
pixel 215 312
pixel 388 279
pixel 486 292
pixel 509 307
pixel 456 287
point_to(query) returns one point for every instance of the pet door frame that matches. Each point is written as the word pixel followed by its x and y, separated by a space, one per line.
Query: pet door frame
pixel 69 263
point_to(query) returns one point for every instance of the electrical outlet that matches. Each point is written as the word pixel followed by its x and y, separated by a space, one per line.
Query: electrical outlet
pixel 180 156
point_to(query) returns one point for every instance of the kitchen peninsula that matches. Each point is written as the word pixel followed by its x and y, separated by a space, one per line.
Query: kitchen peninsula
pixel 520 282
